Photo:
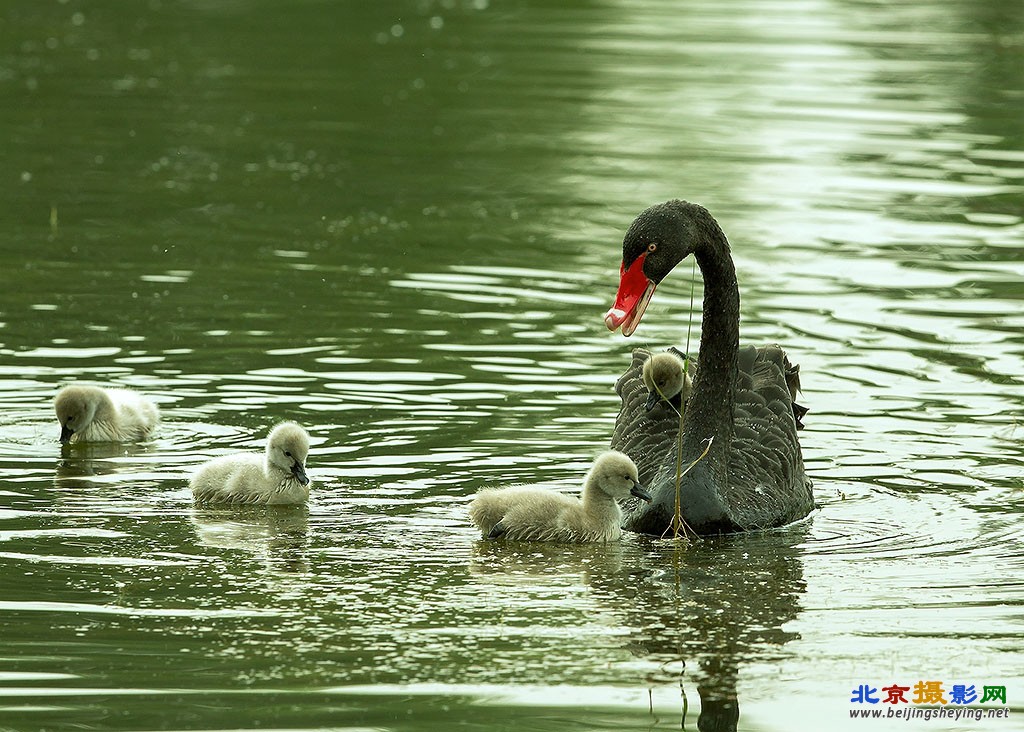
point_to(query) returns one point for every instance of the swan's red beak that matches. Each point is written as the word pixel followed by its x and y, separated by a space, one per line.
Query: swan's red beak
pixel 635 292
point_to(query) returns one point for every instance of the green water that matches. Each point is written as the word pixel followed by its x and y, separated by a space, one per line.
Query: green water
pixel 399 224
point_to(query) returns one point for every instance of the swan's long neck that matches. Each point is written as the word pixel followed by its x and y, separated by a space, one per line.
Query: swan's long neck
pixel 709 410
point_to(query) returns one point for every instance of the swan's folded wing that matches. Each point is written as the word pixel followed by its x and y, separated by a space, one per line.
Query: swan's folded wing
pixel 768 485
pixel 648 437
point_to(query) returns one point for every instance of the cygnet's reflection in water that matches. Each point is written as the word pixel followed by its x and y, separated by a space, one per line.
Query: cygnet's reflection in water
pixel 84 465
pixel 279 535
pixel 706 608
pixel 503 562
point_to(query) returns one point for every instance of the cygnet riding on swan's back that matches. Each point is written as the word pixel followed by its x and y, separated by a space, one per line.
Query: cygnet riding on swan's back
pixel 666 380
pixel 276 477
pixel 665 377
pixel 753 475
pixel 531 513
pixel 92 414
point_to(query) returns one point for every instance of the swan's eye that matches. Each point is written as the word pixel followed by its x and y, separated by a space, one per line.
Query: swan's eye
pixel 652 246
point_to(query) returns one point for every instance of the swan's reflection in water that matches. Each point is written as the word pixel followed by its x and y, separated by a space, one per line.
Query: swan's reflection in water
pixel 698 612
pixel 86 465
pixel 279 535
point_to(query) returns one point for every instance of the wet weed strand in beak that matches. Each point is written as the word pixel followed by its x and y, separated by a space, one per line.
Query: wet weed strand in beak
pixel 679 527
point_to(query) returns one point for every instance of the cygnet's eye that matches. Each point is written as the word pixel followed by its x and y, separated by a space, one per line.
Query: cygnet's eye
pixel 287 454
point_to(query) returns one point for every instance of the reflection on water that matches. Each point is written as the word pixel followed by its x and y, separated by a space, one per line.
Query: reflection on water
pixel 692 614
pixel 85 465
pixel 278 535
pixel 398 225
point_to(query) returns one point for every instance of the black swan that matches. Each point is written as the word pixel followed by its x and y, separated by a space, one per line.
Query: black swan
pixel 753 474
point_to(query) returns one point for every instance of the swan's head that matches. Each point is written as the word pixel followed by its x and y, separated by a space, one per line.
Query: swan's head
pixel 659 239
pixel 615 475
pixel 76 408
pixel 287 448
pixel 664 377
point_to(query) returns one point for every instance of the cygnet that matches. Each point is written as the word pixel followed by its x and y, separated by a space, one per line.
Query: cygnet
pixel 664 376
pixel 277 477
pixel 93 414
pixel 532 513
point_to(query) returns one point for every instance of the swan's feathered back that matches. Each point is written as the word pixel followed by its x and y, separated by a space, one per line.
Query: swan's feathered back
pixel 647 437
pixel 766 469
pixel 767 484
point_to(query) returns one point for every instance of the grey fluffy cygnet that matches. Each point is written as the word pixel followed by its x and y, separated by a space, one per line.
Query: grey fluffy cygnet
pixel 94 414
pixel 276 477
pixel 532 513
pixel 664 377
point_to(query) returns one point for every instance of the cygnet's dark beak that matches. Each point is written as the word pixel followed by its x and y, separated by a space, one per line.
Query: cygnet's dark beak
pixel 300 473
pixel 652 400
pixel 65 434
pixel 640 492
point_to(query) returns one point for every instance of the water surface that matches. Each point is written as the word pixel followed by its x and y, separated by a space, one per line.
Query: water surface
pixel 400 225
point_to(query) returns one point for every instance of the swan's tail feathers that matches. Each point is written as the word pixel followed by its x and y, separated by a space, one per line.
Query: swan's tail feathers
pixel 798 414
pixel 792 372
pixel 774 355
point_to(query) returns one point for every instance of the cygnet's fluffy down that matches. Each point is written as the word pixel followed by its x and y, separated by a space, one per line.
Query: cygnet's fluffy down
pixel 667 381
pixel 276 477
pixel 532 513
pixel 92 414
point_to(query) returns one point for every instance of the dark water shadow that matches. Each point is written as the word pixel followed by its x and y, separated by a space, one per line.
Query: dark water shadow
pixel 720 602
pixel 700 612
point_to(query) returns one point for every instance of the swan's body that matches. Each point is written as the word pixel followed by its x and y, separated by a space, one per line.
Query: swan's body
pixel 532 513
pixel 275 477
pixel 94 414
pixel 666 380
pixel 753 476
